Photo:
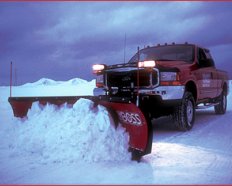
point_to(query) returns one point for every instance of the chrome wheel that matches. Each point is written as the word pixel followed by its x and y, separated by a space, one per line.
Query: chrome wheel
pixel 184 114
pixel 224 102
pixel 189 111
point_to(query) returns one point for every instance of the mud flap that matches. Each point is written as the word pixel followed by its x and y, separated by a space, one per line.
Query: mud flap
pixel 128 114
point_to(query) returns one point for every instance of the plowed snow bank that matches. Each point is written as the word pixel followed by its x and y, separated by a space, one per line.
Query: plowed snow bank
pixel 80 133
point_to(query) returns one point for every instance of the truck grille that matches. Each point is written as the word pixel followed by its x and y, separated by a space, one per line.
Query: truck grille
pixel 126 78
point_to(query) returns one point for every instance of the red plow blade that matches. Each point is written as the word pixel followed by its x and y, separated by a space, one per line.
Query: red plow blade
pixel 128 114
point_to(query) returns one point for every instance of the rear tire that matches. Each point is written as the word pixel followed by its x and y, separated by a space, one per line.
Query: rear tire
pixel 184 114
pixel 221 107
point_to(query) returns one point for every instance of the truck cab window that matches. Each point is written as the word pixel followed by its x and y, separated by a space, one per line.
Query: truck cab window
pixel 204 58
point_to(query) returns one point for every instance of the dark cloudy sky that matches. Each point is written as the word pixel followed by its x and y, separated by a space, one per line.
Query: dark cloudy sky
pixel 61 40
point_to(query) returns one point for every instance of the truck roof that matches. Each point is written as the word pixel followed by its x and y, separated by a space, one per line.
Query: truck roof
pixel 171 44
pixel 166 51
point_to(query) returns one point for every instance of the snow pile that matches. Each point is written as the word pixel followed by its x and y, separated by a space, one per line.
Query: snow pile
pixel 76 81
pixel 81 133
pixel 48 87
pixel 50 82
pixel 43 82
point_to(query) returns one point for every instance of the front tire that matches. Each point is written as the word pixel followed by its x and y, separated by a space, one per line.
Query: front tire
pixel 184 114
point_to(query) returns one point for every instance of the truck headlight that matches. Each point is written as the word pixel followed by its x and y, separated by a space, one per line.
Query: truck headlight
pixel 169 79
pixel 168 76
pixel 146 64
pixel 98 68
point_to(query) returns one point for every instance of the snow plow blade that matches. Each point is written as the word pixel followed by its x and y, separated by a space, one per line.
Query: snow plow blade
pixel 122 111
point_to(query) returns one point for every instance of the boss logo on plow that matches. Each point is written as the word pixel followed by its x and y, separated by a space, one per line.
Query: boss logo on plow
pixel 130 118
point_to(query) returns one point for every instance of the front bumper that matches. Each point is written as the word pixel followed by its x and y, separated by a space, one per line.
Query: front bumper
pixel 165 92
pixel 99 92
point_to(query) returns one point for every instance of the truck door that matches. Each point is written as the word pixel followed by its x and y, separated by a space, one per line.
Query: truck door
pixel 214 74
pixel 206 75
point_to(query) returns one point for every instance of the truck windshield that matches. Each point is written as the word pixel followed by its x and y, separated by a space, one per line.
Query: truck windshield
pixel 166 53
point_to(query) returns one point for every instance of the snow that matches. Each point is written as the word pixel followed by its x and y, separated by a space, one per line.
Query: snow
pixel 48 87
pixel 80 145
pixel 46 81
pixel 58 134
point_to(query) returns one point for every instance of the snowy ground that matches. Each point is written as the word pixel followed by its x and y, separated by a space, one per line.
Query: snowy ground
pixel 79 146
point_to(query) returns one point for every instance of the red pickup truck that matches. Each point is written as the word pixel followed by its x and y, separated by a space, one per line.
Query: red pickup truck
pixel 161 80
pixel 170 79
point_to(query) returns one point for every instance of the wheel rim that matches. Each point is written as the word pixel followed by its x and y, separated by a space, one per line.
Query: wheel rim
pixel 224 102
pixel 190 112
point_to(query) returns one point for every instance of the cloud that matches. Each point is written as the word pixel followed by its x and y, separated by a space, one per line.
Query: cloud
pixel 55 39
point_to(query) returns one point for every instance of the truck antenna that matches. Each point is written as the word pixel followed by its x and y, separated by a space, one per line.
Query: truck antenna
pixel 125 49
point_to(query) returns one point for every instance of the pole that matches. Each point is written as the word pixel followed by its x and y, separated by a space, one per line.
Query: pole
pixel 137 101
pixel 11 78
pixel 15 82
